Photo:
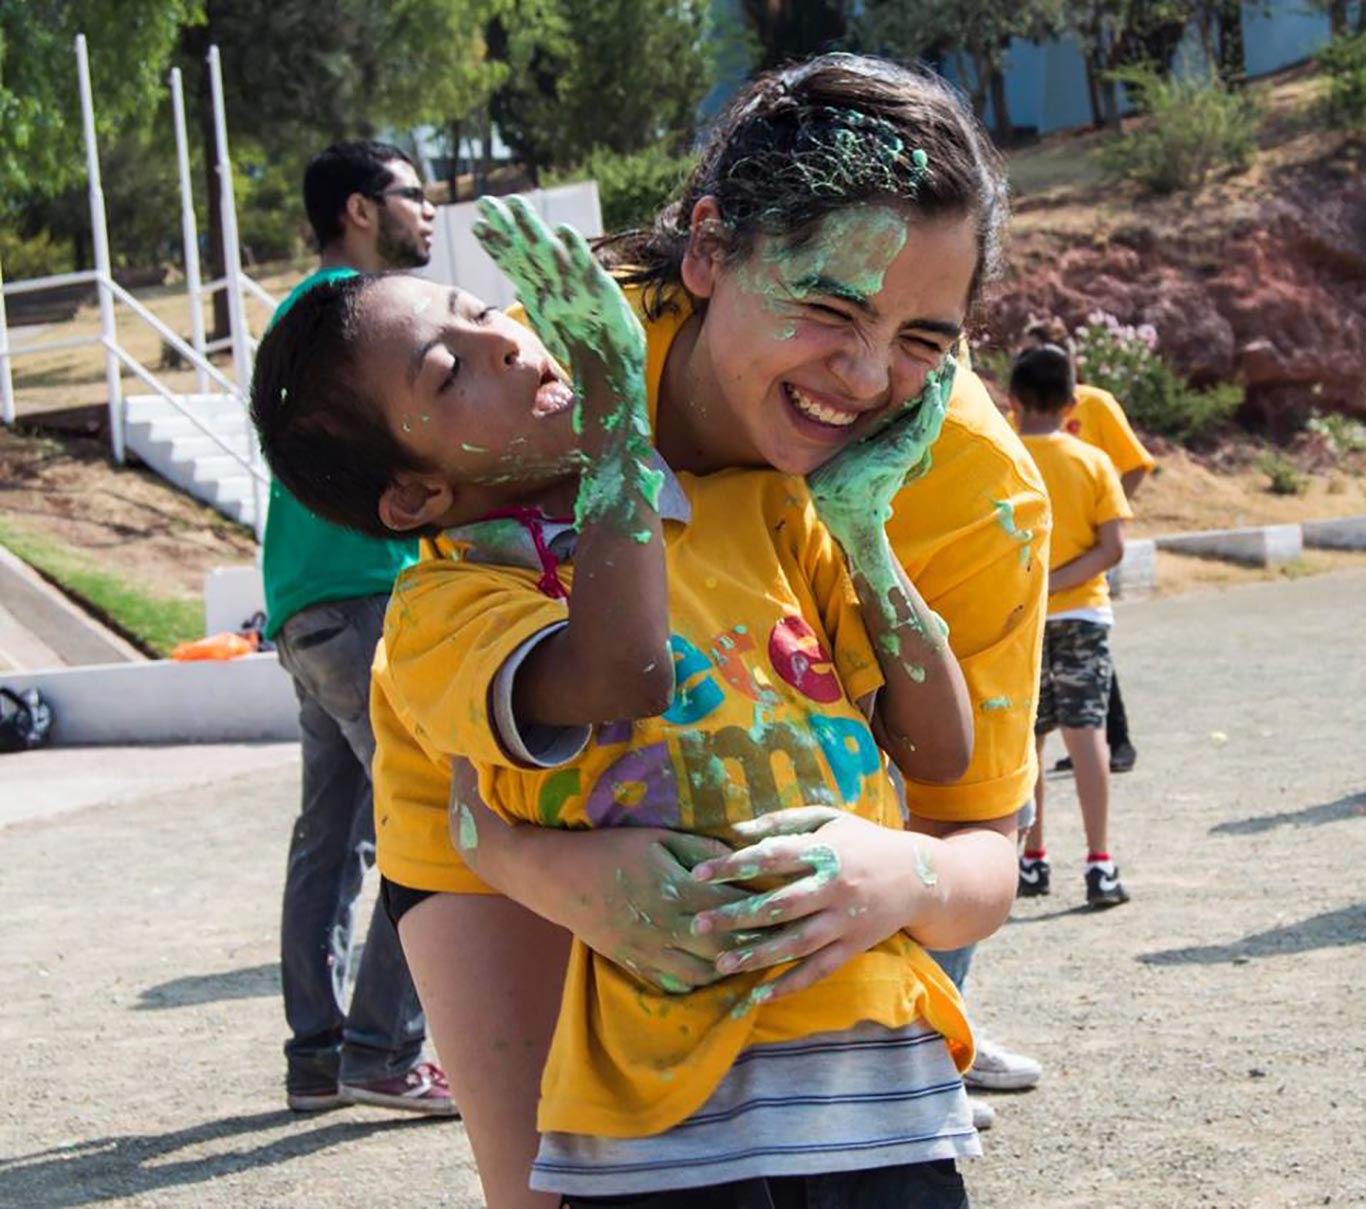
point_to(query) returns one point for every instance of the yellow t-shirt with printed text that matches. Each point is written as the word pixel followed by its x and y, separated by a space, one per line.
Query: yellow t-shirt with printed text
pixel 973 536
pixel 771 656
pixel 1085 493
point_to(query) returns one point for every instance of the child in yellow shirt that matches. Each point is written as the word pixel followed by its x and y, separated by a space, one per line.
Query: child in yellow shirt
pixel 563 658
pixel 1089 509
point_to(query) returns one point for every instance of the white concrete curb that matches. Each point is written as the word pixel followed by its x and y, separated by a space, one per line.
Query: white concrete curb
pixel 1256 546
pixel 160 701
pixel 1345 533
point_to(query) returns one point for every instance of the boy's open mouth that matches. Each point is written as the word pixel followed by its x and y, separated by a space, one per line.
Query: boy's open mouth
pixel 553 395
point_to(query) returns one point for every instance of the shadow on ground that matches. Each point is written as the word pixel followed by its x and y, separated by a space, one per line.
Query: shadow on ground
pixel 254 982
pixel 1351 807
pixel 106 1169
pixel 1332 929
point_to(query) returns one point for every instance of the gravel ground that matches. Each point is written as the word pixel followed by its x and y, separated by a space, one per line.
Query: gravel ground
pixel 1204 1046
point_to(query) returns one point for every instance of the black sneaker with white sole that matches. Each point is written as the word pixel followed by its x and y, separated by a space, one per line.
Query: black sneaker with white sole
pixel 1103 887
pixel 1035 874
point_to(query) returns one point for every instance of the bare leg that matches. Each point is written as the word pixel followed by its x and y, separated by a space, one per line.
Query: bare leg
pixel 490 975
pixel 1091 766
pixel 1034 836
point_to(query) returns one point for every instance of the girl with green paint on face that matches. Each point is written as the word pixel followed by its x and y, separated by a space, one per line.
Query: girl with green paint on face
pixel 813 273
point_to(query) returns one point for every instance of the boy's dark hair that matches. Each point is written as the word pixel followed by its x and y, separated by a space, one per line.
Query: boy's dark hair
pixel 322 436
pixel 339 171
pixel 1051 330
pixel 1041 379
pixel 801 143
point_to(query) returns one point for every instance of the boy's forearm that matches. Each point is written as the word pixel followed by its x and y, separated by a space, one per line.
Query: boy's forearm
pixel 969 878
pixel 1095 561
pixel 1132 480
pixel 612 661
pixel 923 716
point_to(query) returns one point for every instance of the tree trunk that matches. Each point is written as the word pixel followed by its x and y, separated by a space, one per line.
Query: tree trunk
pixel 1337 17
pixel 1093 95
pixel 1361 17
pixel 973 83
pixel 1000 107
pixel 1232 54
pixel 80 250
pixel 453 171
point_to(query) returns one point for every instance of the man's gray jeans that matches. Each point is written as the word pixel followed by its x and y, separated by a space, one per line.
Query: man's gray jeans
pixel 327 649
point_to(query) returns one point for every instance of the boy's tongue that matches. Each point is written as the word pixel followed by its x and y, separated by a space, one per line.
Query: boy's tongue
pixel 551 397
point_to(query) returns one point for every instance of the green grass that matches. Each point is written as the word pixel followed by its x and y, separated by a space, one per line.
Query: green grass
pixel 153 622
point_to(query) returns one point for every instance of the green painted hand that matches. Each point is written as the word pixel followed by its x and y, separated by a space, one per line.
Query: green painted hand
pixel 854 490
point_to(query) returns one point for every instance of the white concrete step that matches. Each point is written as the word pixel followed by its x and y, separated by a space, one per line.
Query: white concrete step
pixel 197 455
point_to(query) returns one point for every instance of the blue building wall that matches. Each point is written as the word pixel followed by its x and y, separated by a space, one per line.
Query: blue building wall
pixel 1046 85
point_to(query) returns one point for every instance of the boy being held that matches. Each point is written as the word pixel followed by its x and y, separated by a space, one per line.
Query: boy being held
pixel 580 696
pixel 1089 508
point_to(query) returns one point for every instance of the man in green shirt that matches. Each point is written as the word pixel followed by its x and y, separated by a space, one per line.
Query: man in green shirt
pixel 326 592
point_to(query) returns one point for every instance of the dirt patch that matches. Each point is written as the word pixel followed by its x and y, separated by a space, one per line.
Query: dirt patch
pixel 1225 489
pixel 124 520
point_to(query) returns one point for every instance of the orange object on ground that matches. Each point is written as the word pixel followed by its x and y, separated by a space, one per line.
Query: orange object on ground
pixel 216 646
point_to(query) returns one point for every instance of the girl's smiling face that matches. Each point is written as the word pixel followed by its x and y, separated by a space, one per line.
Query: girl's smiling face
pixel 802 349
pixel 473 394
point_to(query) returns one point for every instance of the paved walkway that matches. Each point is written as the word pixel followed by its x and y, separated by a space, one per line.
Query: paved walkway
pixel 1203 1046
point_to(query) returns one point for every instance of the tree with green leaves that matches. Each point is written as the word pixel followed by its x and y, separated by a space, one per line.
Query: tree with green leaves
pixel 613 74
pixel 297 76
pixel 41 149
pixel 979 30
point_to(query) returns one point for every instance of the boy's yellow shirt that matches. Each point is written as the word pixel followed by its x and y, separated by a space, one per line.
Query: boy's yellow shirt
pixel 1085 493
pixel 771 655
pixel 1097 418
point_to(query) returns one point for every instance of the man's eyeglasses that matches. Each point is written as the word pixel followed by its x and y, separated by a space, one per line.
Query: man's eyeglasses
pixel 412 193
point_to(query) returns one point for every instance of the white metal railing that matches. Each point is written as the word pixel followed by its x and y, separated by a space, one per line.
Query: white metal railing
pixel 197 350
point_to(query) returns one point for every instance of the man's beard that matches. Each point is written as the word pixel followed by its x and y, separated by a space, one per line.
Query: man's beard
pixel 398 247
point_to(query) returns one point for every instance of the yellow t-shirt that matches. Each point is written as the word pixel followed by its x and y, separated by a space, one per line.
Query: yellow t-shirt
pixel 1085 493
pixel 973 537
pixel 1097 418
pixel 770 655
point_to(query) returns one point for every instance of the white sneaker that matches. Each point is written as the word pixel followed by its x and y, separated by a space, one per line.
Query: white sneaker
pixel 997 1069
pixel 983 1115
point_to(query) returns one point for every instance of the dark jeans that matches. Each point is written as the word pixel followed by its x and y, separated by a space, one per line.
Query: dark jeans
pixel 1116 720
pixel 328 649
pixel 913 1186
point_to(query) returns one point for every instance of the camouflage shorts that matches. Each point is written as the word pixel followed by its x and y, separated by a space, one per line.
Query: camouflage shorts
pixel 1074 689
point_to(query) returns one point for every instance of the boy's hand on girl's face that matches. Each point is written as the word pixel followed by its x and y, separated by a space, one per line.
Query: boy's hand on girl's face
pixel 849 891
pixel 861 480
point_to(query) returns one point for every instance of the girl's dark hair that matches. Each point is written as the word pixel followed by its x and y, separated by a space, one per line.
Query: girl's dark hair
pixel 323 437
pixel 1042 379
pixel 803 142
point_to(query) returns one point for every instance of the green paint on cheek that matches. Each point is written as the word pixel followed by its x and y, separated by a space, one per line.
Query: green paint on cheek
pixel 468 448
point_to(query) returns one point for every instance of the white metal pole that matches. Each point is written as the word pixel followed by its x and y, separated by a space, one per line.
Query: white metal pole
pixel 6 381
pixel 189 233
pixel 232 269
pixel 100 241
